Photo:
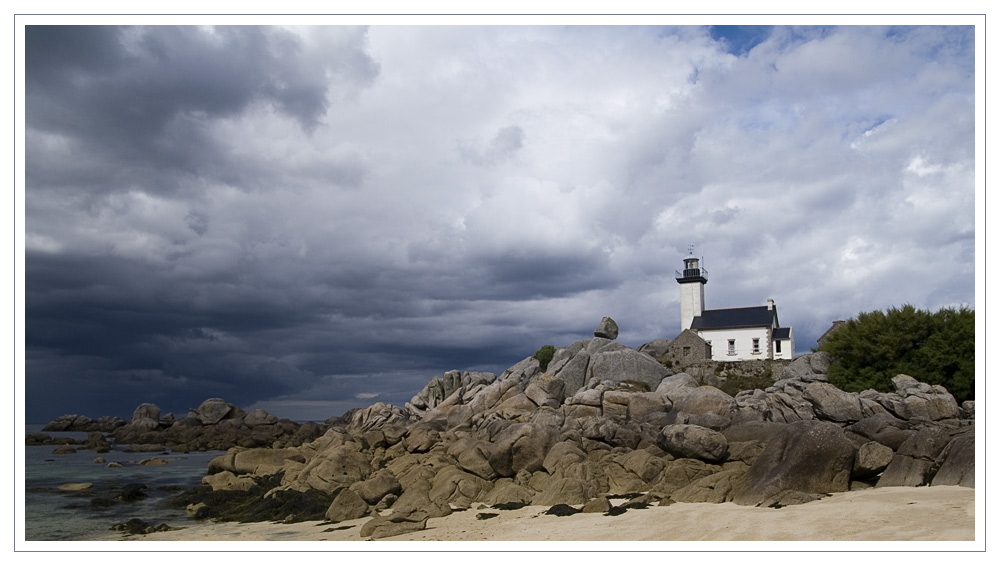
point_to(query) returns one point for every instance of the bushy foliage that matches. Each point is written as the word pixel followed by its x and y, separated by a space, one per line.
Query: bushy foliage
pixel 544 356
pixel 937 348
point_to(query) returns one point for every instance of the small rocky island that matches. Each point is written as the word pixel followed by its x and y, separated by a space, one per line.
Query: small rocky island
pixel 599 422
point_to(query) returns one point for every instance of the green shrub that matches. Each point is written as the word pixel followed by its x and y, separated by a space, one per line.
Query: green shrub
pixel 544 356
pixel 937 348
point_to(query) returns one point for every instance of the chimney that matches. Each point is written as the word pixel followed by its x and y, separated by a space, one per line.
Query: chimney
pixel 770 304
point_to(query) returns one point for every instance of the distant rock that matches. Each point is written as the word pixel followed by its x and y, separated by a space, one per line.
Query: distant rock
pixel 211 411
pixel 259 417
pixel 82 423
pixel 96 442
pixel 146 411
pixel 79 423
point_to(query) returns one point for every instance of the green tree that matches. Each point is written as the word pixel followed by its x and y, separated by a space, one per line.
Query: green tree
pixel 544 356
pixel 936 348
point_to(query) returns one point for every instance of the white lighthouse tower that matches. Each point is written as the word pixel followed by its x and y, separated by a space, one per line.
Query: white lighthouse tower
pixel 692 282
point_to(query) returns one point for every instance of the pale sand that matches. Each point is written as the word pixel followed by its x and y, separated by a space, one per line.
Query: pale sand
pixel 945 513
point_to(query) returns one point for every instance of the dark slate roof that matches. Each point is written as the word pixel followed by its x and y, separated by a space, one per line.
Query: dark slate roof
pixel 783 333
pixel 734 318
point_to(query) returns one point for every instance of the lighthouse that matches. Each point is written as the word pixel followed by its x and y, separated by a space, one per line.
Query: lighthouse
pixel 692 282
pixel 731 334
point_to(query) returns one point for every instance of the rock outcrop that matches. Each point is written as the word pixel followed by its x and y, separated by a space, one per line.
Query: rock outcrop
pixel 603 420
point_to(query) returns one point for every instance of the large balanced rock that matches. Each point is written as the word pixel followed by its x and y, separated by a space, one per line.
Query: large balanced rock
pixel 608 328
pixel 804 456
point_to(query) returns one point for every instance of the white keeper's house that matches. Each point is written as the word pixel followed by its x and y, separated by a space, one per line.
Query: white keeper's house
pixel 744 333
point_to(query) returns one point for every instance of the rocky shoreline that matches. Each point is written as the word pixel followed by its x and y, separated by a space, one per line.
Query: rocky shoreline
pixel 601 422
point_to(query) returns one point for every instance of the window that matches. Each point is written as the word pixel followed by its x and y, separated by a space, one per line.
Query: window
pixel 777 346
pixel 732 347
pixel 756 345
pixel 687 351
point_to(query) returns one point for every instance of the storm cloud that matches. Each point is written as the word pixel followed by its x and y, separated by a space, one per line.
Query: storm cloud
pixel 309 219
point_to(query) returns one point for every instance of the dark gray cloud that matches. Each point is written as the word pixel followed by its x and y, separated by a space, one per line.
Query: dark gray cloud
pixel 133 106
pixel 312 219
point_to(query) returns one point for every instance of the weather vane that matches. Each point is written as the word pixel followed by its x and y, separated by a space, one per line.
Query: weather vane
pixel 691 250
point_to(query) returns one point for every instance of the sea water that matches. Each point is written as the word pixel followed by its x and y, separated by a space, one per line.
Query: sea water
pixel 54 514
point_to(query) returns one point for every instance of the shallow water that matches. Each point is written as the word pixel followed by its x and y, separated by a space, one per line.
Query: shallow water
pixel 53 514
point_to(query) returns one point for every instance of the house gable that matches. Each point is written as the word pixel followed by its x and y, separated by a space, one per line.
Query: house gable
pixel 689 347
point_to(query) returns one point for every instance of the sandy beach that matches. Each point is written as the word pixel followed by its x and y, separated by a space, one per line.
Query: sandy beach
pixel 945 513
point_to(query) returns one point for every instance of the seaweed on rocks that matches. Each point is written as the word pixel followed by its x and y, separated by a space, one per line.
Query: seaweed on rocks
pixel 250 506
